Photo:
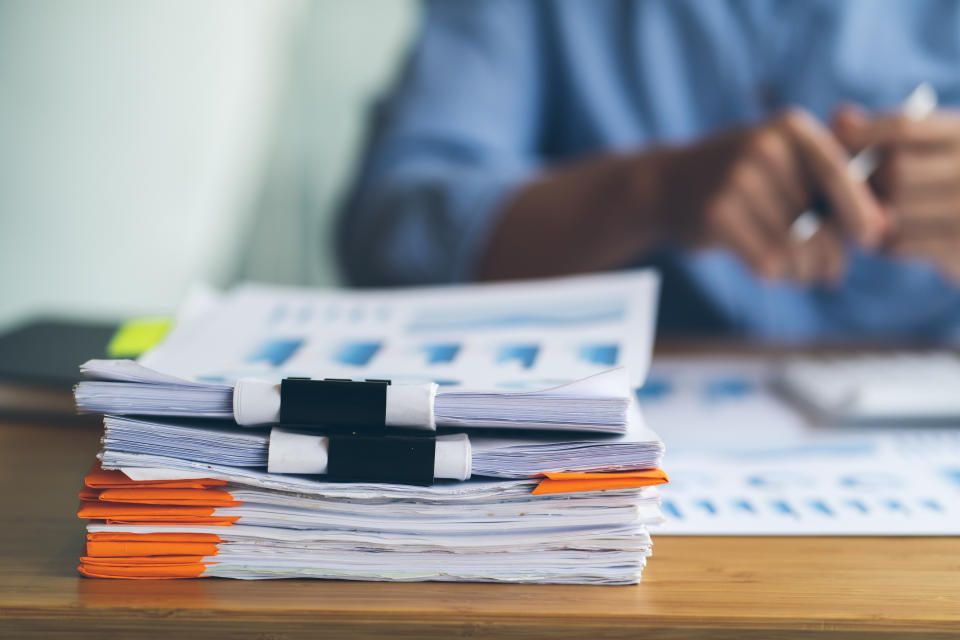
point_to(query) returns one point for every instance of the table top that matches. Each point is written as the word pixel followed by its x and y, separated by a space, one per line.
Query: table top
pixel 727 587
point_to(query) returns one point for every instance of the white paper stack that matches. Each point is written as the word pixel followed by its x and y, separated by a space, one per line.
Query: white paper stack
pixel 535 377
pixel 179 515
pixel 597 403
pixel 498 457
pixel 492 532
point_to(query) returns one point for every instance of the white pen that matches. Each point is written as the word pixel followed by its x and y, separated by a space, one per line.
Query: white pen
pixel 921 102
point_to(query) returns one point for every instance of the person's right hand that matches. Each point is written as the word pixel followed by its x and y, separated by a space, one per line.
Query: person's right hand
pixel 743 189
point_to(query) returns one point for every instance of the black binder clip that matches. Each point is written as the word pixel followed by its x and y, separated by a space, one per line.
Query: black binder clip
pixel 388 459
pixel 343 404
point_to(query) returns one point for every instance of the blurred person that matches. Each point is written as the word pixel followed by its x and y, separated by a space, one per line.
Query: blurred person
pixel 528 139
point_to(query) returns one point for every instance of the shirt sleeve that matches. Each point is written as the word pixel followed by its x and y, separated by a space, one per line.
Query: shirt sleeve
pixel 453 140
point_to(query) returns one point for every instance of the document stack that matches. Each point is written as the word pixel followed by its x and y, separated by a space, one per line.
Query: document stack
pixel 241 472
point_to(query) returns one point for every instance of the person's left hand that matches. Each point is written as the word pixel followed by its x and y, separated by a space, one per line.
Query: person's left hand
pixel 918 179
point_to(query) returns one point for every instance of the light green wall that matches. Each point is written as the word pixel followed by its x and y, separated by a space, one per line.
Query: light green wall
pixel 149 144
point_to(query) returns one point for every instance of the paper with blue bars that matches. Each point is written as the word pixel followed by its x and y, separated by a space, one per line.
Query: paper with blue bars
pixel 516 336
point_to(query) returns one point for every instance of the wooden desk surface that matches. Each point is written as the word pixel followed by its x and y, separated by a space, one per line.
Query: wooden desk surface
pixel 693 587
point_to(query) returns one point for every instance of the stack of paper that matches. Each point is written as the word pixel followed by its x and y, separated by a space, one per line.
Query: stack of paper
pixel 562 484
pixel 228 526
pixel 597 403
pixel 126 438
pixel 174 486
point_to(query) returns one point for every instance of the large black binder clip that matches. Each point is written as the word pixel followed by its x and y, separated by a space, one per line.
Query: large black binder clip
pixel 334 403
pixel 388 459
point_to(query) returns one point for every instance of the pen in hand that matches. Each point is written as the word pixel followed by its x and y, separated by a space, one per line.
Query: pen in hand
pixel 921 102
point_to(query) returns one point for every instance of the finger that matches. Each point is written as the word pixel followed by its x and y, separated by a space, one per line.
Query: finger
pixel 831 260
pixel 856 209
pixel 819 259
pixel 773 153
pixel 762 202
pixel 801 263
pixel 732 227
pixel 942 128
pixel 941 251
pixel 907 170
pixel 850 125
pixel 932 208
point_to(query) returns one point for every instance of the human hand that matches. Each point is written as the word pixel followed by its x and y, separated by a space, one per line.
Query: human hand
pixel 918 179
pixel 743 190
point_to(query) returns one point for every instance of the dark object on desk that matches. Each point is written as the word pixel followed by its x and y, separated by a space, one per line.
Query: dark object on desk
pixel 39 364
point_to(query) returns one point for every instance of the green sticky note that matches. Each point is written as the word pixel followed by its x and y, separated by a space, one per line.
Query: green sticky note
pixel 136 335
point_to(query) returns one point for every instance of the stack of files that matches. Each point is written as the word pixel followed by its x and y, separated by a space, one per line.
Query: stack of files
pixel 179 498
pixel 541 468
pixel 243 523
pixel 486 531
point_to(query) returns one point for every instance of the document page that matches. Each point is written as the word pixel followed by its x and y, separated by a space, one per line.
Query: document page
pixel 511 336
pixel 745 461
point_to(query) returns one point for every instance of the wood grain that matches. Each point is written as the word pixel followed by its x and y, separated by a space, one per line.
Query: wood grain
pixel 735 587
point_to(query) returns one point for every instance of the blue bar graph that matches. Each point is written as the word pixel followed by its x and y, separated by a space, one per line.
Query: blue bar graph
pixel 821 507
pixel 441 352
pixel 782 506
pixel 654 389
pixel 525 354
pixel 707 506
pixel 602 354
pixel 857 505
pixel 744 505
pixel 671 509
pixel 356 353
pixel 727 389
pixel 276 351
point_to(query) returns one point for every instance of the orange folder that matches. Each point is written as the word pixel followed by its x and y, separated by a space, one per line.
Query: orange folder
pixel 575 482
pixel 143 572
pixel 173 536
pixel 99 478
pixel 97 549
pixel 162 496
pixel 122 513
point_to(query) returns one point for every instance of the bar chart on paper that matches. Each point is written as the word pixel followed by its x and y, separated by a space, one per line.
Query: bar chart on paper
pixel 803 496
pixel 745 462
pixel 511 336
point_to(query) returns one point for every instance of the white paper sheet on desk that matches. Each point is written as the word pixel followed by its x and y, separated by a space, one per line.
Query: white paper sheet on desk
pixel 743 461
pixel 509 336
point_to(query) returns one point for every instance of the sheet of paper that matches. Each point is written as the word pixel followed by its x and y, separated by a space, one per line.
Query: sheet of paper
pixel 744 461
pixel 510 336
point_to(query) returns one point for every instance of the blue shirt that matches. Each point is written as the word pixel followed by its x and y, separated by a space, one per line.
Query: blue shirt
pixel 495 91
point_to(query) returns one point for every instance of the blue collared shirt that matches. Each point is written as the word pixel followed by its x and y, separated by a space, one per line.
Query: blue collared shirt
pixel 495 91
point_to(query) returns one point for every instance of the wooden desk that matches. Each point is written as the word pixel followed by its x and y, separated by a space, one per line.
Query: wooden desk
pixel 693 587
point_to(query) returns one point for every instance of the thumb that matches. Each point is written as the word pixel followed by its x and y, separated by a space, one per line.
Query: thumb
pixel 851 125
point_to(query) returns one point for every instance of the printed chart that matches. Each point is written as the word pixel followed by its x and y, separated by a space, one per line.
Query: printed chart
pixel 511 336
pixel 743 461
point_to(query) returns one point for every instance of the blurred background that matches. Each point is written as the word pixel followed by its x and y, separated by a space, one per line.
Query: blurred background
pixel 148 145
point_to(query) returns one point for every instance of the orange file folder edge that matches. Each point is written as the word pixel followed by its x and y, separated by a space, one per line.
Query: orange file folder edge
pixel 98 478
pixel 574 482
